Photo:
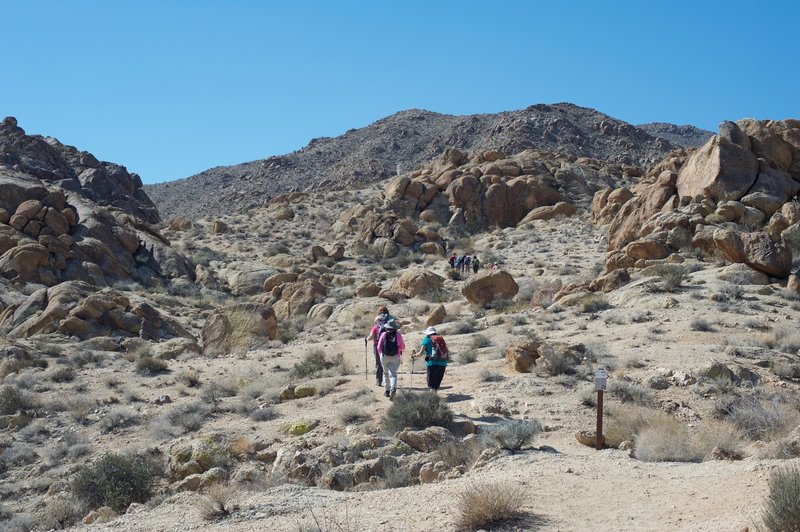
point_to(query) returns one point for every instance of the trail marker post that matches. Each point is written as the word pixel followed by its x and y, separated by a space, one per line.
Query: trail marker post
pixel 600 382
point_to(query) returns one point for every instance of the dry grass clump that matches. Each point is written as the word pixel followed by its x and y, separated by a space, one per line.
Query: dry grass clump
pixel 148 365
pixel 417 410
pixel 487 505
pixel 701 325
pixel 349 414
pixel 181 419
pixel 782 508
pixel 467 357
pixel 628 392
pixel 759 418
pixel 218 502
pixel 554 362
pixel 672 275
pixel 118 417
pixel 479 341
pixel 671 441
pixel 628 421
pixel 595 303
pixel 785 339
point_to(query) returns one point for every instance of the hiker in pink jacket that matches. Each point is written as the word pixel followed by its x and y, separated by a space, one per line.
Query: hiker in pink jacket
pixel 390 347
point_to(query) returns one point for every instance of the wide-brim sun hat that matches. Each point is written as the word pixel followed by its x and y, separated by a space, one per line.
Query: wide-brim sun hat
pixel 390 326
pixel 430 330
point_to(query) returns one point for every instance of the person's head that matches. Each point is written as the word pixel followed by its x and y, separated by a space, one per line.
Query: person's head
pixel 430 330
pixel 391 326
pixel 383 310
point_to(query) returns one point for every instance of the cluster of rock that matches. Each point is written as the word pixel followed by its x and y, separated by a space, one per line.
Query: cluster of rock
pixel 69 169
pixel 735 197
pixel 67 218
pixel 75 308
pixel 488 189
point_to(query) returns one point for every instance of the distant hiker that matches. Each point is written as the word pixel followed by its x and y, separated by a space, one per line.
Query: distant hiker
pixel 452 261
pixel 390 347
pixel 436 356
pixel 475 264
pixel 459 262
pixel 467 263
pixel 494 266
pixel 375 334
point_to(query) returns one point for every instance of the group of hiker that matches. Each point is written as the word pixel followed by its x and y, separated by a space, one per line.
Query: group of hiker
pixel 388 346
pixel 463 263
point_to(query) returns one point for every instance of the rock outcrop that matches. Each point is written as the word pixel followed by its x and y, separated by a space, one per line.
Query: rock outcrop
pixel 732 196
pixel 488 285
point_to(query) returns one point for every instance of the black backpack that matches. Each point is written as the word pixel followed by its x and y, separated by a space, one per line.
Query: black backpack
pixel 390 344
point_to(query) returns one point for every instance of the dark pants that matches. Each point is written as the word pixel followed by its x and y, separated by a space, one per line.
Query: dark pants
pixel 378 366
pixel 435 376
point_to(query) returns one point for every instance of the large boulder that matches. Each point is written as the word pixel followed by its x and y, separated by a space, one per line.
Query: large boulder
pixel 425 440
pixel 488 285
pixel 521 355
pixel 296 299
pixel 420 283
pixel 720 170
pixel 757 250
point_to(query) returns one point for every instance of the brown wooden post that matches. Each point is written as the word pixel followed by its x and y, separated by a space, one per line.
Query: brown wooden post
pixel 598 433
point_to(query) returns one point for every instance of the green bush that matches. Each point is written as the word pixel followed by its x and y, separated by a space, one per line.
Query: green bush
pixel 115 480
pixel 782 511
pixel 418 411
pixel 315 364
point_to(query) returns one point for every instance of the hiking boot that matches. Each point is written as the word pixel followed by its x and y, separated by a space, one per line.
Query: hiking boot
pixel 391 394
pixel 379 383
pixel 386 393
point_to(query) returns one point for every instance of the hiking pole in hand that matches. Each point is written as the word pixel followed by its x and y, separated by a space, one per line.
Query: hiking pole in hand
pixel 411 385
pixel 365 360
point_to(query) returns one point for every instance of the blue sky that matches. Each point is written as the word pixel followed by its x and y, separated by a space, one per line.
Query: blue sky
pixel 171 88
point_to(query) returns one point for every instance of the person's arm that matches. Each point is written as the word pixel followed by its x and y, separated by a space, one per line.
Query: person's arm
pixel 401 345
pixel 380 344
pixel 372 333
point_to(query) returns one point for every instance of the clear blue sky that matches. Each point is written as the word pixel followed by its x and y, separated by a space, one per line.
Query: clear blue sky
pixel 170 88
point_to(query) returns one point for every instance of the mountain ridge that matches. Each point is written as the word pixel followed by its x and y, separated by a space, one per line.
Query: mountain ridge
pixel 401 142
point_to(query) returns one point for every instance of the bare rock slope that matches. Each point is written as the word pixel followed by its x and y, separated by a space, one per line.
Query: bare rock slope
pixel 407 139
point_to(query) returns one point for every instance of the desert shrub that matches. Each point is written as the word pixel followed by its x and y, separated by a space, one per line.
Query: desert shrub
pixel 458 453
pixel 115 480
pixel 513 434
pixel 628 392
pixel 782 508
pixel 589 398
pixel 18 453
pixel 315 364
pixel 594 303
pixel 760 419
pixel 672 275
pixel 263 414
pixel 487 505
pixel 628 421
pixel 701 325
pixel 467 326
pixel 480 341
pixel 554 362
pixel 349 414
pixel 148 365
pixel 62 374
pixel 467 357
pixel 218 502
pixel 59 513
pixel 190 378
pixel 417 410
pixel 183 418
pixel 454 275
pixel 490 376
pixel 668 441
pixel 118 417
pixel 728 292
pixel 12 400
pixel 785 369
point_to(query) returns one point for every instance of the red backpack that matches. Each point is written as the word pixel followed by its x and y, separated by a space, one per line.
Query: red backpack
pixel 439 351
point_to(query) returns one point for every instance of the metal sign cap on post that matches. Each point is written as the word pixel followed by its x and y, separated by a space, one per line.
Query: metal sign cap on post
pixel 600 380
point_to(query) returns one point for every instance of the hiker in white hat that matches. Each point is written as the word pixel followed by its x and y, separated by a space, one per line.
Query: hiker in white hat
pixel 434 349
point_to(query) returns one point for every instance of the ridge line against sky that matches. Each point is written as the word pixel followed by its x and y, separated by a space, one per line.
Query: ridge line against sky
pixel 170 89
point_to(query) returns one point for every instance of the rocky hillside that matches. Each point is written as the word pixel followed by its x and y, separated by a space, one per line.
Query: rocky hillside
pixel 685 136
pixel 405 140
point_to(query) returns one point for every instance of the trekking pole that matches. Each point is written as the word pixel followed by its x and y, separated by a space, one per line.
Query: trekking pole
pixel 411 385
pixel 365 360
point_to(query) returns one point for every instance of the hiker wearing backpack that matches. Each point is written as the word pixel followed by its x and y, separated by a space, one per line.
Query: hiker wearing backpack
pixel 375 335
pixel 436 355
pixel 475 264
pixel 390 347
pixel 467 264
pixel 452 261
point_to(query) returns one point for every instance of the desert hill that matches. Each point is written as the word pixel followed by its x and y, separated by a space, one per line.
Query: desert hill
pixel 403 141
